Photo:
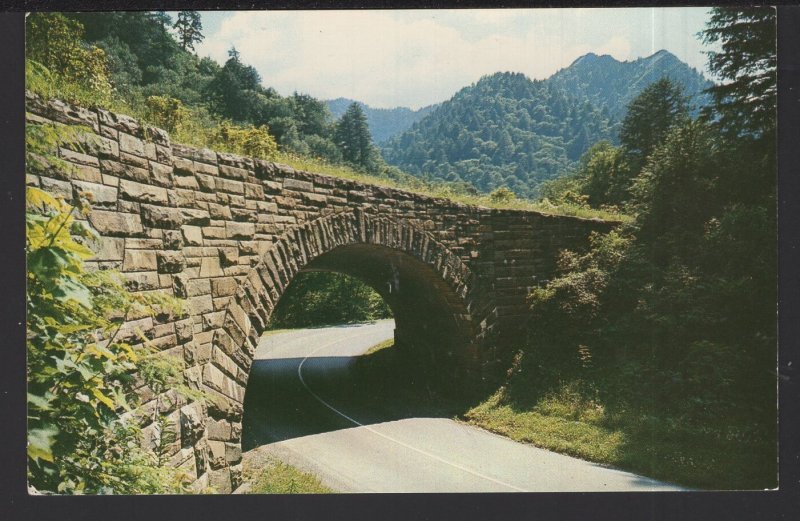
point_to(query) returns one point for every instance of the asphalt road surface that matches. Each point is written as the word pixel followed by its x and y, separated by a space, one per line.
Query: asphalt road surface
pixel 292 412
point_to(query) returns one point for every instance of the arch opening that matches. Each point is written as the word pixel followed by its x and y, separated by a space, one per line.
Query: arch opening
pixel 428 289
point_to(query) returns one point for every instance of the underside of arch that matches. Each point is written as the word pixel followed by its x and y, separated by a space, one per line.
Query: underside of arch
pixel 428 287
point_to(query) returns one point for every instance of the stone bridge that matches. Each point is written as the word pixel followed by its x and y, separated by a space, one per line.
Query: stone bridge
pixel 229 233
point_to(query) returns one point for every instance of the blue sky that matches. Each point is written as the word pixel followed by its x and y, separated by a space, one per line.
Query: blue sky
pixel 414 58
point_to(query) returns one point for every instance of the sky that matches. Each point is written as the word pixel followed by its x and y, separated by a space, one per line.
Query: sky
pixel 414 58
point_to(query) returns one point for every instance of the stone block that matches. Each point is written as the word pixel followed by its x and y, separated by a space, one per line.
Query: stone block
pixel 71 114
pixel 136 329
pixel 223 287
pixel 219 430
pixel 207 183
pixel 253 191
pixel 192 235
pixel 196 287
pixel 78 157
pixel 196 217
pixel 184 330
pixel 237 230
pixel 244 215
pixel 130 144
pixel 218 211
pixel 226 185
pixel 119 122
pixel 187 182
pixel 183 167
pixel 170 261
pixel 143 244
pixel 191 421
pixel 115 223
pixel 228 256
pixel 173 240
pixel 99 194
pixel 210 267
pixel 141 280
pixel 88 173
pixel 139 260
pixel 161 174
pixel 161 216
pixel 115 168
pixel 233 172
pixel 136 161
pixel 142 192
pixel 182 197
pixel 110 249
pixel 296 184
pixel 200 304
pixel 220 481
pixel 196 154
pixel 57 188
pixel 213 320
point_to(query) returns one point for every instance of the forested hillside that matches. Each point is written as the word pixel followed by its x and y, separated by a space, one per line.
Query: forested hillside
pixel 509 130
pixel 383 123
pixel 656 349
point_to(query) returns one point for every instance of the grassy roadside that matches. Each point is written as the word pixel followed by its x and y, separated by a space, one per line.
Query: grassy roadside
pixel 265 474
pixel 720 454
pixel 715 456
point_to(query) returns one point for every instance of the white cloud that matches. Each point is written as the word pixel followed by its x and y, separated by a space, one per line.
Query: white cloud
pixel 414 58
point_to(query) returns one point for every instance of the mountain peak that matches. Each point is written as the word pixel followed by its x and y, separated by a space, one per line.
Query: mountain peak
pixel 591 58
pixel 662 54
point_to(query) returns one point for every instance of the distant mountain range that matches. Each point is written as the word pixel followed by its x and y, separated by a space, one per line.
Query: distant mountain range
pixel 383 123
pixel 509 130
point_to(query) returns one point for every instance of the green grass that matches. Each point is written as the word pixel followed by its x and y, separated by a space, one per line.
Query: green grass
pixel 198 130
pixel 715 455
pixel 275 477
pixel 386 344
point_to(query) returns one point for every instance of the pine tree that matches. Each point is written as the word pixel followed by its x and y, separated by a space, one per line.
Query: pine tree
pixel 353 137
pixel 189 27
pixel 660 107
pixel 746 98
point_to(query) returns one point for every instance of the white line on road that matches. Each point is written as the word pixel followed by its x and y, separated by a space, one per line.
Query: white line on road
pixel 398 442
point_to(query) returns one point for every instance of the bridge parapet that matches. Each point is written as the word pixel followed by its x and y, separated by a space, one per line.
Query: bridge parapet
pixel 228 234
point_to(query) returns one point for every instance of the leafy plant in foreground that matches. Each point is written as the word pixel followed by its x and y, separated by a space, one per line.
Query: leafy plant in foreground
pixel 80 368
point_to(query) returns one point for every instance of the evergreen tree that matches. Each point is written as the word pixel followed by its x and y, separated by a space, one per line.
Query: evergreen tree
pixel 353 137
pixel 660 107
pixel 745 100
pixel 234 91
pixel 189 27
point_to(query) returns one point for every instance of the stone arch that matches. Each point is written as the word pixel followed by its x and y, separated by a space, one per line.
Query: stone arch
pixel 297 249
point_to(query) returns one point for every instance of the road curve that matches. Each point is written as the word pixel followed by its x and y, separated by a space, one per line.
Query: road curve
pixel 289 414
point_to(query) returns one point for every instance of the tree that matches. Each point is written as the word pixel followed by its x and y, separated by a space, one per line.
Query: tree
pixel 189 27
pixel 312 115
pixel 660 107
pixel 605 174
pixel 745 101
pixel 235 90
pixel 353 137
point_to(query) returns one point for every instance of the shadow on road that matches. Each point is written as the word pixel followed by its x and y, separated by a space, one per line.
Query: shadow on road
pixel 370 389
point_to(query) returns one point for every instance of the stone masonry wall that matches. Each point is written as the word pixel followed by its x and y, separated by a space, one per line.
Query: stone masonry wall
pixel 227 233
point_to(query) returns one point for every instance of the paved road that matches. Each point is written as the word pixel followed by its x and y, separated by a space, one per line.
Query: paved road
pixel 290 414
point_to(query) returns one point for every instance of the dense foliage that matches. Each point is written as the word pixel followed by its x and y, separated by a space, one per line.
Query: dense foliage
pixel 673 315
pixel 507 130
pixel 82 437
pixel 383 123
pixel 319 298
